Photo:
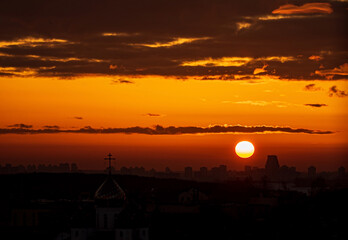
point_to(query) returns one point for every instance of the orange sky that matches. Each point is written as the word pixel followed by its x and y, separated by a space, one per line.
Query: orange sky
pixel 44 101
pixel 172 84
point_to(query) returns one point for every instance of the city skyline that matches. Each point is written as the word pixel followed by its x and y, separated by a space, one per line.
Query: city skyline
pixel 188 172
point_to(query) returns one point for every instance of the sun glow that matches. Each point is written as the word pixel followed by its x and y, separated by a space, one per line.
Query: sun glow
pixel 245 149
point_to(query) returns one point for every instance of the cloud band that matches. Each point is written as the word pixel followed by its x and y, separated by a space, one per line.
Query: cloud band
pixel 171 130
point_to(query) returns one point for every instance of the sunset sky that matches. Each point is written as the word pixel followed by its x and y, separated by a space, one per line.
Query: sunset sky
pixel 174 83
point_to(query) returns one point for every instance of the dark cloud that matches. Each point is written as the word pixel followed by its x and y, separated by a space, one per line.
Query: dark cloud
pixel 342 70
pixel 118 81
pixel 172 130
pixel 66 39
pixel 51 127
pixel 312 87
pixel 316 105
pixel 20 125
pixel 153 115
pixel 334 91
pixel 78 118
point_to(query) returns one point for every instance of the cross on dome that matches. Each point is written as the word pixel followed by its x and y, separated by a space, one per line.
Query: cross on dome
pixel 109 158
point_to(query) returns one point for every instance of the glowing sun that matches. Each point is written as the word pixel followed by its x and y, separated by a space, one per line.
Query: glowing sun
pixel 245 149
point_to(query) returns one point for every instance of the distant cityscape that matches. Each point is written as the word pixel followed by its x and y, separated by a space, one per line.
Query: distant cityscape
pixel 273 171
pixel 31 168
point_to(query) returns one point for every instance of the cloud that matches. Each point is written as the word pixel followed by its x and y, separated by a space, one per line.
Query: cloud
pixel 112 67
pixel 316 105
pixel 220 62
pixel 255 103
pixel 242 25
pixel 153 115
pixel 312 87
pixel 234 61
pixel 176 41
pixel 333 91
pixel 315 58
pixel 280 104
pixel 68 59
pixel 31 42
pixel 261 70
pixel 127 38
pixel 51 127
pixel 120 81
pixel 78 118
pixel 217 77
pixel 114 34
pixel 280 17
pixel 20 71
pixel 281 59
pixel 20 125
pixel 329 73
pixel 308 8
pixel 172 130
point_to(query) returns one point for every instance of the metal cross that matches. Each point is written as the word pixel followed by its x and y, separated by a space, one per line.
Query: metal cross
pixel 109 158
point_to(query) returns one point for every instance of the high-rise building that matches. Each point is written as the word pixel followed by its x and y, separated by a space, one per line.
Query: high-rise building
pixel 64 167
pixel 204 172
pixel 341 171
pixel 31 168
pixel 247 169
pixel 272 165
pixel 223 169
pixel 167 170
pixel 188 172
pixel 73 167
pixel 312 172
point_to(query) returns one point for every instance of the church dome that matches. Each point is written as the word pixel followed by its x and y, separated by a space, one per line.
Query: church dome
pixel 110 190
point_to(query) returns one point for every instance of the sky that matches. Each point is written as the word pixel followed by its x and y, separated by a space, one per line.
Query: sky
pixel 174 83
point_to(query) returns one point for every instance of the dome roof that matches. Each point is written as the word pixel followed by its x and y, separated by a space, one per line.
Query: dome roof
pixel 110 190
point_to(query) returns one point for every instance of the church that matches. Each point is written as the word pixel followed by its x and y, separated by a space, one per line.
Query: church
pixel 116 216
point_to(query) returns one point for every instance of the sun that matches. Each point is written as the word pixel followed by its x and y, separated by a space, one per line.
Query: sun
pixel 245 149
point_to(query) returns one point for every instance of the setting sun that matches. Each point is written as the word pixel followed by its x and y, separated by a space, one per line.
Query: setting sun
pixel 245 149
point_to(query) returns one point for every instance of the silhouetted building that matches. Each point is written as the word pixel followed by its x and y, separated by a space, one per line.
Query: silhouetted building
pixel 9 169
pixel 219 173
pixel 204 172
pixel 73 167
pixel 247 170
pixel 223 169
pixel 124 171
pixel 152 172
pixel 64 167
pixel 116 218
pixel 341 172
pixel 140 171
pixel 31 168
pixel 109 199
pixel 272 166
pixel 168 171
pixel 287 173
pixel 188 172
pixel 312 172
